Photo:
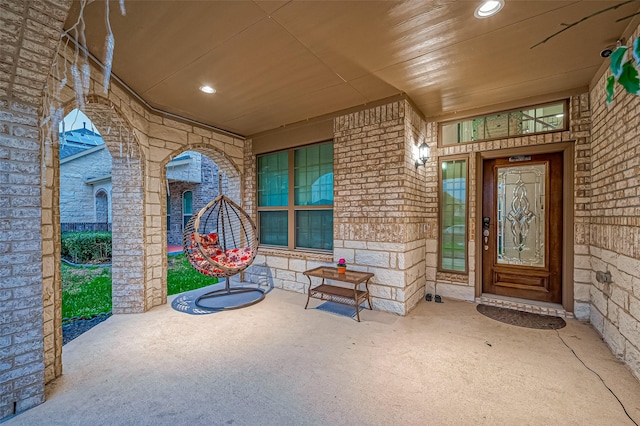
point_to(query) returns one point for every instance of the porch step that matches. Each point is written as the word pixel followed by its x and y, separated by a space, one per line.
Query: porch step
pixel 524 305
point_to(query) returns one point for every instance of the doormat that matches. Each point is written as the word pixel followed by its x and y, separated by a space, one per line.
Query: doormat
pixel 339 309
pixel 522 319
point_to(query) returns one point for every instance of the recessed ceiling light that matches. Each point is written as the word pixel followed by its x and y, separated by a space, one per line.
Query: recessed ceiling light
pixel 207 89
pixel 489 8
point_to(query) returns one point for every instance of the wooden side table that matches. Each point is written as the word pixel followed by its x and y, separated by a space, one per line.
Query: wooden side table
pixel 346 296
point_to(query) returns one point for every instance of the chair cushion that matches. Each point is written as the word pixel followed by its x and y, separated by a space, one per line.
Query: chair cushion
pixel 237 258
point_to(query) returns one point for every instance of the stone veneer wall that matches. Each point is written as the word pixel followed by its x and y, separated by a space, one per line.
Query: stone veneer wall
pixel 463 286
pixel 614 234
pixel 379 209
pixel 29 37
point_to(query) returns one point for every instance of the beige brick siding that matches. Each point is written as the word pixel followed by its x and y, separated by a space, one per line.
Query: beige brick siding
pixel 378 209
pixel 376 186
pixel 382 202
pixel 613 237
pixel 580 127
pixel 463 286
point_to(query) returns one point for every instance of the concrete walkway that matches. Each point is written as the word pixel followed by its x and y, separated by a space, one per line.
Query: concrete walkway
pixel 276 364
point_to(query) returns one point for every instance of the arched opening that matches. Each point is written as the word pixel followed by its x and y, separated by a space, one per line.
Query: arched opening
pixel 127 205
pixel 85 175
pixel 86 240
pixel 126 196
pixel 191 182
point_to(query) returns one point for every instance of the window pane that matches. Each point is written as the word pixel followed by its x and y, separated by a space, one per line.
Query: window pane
pixel 453 222
pixel 496 126
pixel 274 229
pixel 187 203
pixel 168 213
pixel 185 219
pixel 313 175
pixel 476 130
pixel 273 179
pixel 451 133
pixel 314 229
pixel 550 117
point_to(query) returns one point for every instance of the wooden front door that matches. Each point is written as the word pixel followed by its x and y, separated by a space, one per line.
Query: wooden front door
pixel 522 227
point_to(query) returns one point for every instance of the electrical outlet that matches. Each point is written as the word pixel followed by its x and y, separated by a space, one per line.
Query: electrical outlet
pixel 603 276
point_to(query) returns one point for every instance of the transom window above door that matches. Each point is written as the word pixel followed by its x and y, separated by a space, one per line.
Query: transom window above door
pixel 524 121
pixel 295 198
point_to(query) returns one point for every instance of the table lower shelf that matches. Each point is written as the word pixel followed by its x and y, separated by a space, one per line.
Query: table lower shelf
pixel 337 294
pixel 344 296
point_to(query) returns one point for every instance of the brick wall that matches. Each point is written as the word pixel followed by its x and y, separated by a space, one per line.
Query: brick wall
pixel 580 127
pixel 463 286
pixel 379 209
pixel 378 206
pixel 29 35
pixel 614 232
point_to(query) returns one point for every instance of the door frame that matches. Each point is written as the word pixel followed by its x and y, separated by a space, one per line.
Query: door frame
pixel 567 149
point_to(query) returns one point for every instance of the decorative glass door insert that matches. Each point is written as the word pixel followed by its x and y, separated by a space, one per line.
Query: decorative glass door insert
pixel 521 215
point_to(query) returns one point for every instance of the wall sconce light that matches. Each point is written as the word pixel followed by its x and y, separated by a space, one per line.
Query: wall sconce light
pixel 423 154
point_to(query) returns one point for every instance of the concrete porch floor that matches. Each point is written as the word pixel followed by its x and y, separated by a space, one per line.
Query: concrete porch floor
pixel 276 364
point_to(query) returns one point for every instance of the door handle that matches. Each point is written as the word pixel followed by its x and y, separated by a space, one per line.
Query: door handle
pixel 486 221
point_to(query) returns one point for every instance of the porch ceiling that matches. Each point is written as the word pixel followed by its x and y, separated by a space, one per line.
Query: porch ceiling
pixel 274 63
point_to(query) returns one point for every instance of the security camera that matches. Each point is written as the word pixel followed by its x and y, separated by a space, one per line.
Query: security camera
pixel 606 52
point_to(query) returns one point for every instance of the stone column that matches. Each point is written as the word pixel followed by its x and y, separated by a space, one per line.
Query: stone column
pixel 379 205
pixel 30 32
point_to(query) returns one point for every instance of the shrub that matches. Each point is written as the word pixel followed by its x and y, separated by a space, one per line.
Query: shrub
pixel 86 247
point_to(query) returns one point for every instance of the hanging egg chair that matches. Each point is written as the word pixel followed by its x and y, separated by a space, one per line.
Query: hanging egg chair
pixel 221 241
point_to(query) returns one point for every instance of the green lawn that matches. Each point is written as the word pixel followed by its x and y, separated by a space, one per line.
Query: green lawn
pixel 86 292
pixel 182 277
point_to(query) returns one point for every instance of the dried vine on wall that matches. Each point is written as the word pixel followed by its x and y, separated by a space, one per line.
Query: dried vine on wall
pixel 71 69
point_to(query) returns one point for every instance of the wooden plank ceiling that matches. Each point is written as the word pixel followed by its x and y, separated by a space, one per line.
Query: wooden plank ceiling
pixel 274 63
